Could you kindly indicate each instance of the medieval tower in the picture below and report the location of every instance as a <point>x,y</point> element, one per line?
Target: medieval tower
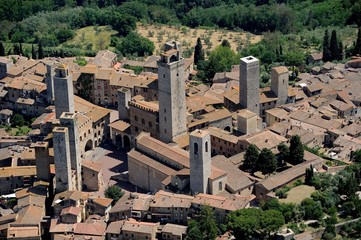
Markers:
<point>42,161</point>
<point>249,84</point>
<point>63,173</point>
<point>49,80</point>
<point>171,93</point>
<point>200,161</point>
<point>70,121</point>
<point>124,96</point>
<point>279,83</point>
<point>63,91</point>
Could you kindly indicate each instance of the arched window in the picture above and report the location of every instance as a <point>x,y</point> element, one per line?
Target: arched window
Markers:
<point>206,146</point>
<point>220,186</point>
<point>195,146</point>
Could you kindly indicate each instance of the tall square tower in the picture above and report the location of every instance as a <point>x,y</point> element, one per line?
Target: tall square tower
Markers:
<point>279,83</point>
<point>249,84</point>
<point>63,91</point>
<point>200,161</point>
<point>70,121</point>
<point>63,174</point>
<point>171,93</point>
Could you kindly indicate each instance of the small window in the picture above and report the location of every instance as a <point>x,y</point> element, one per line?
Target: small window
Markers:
<point>195,148</point>
<point>150,124</point>
<point>136,118</point>
<point>143,121</point>
<point>136,129</point>
<point>220,186</point>
<point>206,146</point>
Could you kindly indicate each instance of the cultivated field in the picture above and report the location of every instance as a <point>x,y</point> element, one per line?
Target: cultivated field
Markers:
<point>92,38</point>
<point>210,37</point>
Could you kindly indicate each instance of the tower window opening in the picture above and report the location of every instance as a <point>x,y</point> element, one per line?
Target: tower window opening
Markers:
<point>206,146</point>
<point>195,146</point>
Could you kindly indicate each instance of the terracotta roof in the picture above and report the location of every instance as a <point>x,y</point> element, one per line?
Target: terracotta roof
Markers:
<point>71,211</point>
<point>224,135</point>
<point>96,228</point>
<point>104,202</point>
<point>17,171</point>
<point>115,227</point>
<point>288,175</point>
<point>96,167</point>
<point>145,143</point>
<point>280,69</point>
<point>174,229</point>
<point>23,83</point>
<point>217,173</point>
<point>232,203</point>
<point>119,125</point>
<point>236,179</point>
<point>164,199</point>
<point>140,227</point>
<point>266,95</point>
<point>150,162</point>
<point>265,139</point>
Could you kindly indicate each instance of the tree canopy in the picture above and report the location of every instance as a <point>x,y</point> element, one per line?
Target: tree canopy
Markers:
<point>133,43</point>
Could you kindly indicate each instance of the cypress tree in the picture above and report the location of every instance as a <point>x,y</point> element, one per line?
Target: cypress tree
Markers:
<point>2,49</point>
<point>33,52</point>
<point>334,52</point>
<point>296,150</point>
<point>40,51</point>
<point>340,51</point>
<point>357,48</point>
<point>198,52</point>
<point>251,158</point>
<point>16,49</point>
<point>21,49</point>
<point>9,51</point>
<point>326,47</point>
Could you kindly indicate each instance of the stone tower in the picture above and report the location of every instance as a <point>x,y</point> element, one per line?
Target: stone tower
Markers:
<point>200,161</point>
<point>249,84</point>
<point>42,161</point>
<point>70,121</point>
<point>63,91</point>
<point>49,80</point>
<point>246,121</point>
<point>124,96</point>
<point>63,173</point>
<point>279,84</point>
<point>171,93</point>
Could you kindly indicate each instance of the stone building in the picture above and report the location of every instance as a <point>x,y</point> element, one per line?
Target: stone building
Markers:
<point>279,84</point>
<point>249,84</point>
<point>171,93</point>
<point>49,79</point>
<point>43,161</point>
<point>200,161</point>
<point>63,173</point>
<point>91,175</point>
<point>5,65</point>
<point>64,93</point>
<point>70,121</point>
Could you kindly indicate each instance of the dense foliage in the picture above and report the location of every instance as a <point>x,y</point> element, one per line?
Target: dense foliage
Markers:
<point>204,226</point>
<point>133,43</point>
<point>114,192</point>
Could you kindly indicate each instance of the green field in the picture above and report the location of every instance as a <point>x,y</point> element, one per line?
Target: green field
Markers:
<point>91,38</point>
<point>297,194</point>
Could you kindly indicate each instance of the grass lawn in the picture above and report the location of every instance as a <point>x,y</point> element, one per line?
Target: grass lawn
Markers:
<point>92,37</point>
<point>19,131</point>
<point>297,194</point>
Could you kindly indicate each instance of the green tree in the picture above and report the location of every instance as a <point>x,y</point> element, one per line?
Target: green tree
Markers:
<point>33,52</point>
<point>198,52</point>
<point>326,47</point>
<point>133,43</point>
<point>21,48</point>
<point>225,43</point>
<point>16,49</point>
<point>2,49</point>
<point>357,48</point>
<point>40,51</point>
<point>356,156</point>
<point>114,192</point>
<point>334,51</point>
<point>312,210</point>
<point>17,120</point>
<point>251,158</point>
<point>267,162</point>
<point>340,51</point>
<point>284,153</point>
<point>309,175</point>
<point>123,23</point>
<point>204,227</point>
<point>296,150</point>
<point>220,59</point>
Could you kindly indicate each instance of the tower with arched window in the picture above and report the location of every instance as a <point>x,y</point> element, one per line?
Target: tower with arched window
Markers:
<point>200,161</point>
<point>171,93</point>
